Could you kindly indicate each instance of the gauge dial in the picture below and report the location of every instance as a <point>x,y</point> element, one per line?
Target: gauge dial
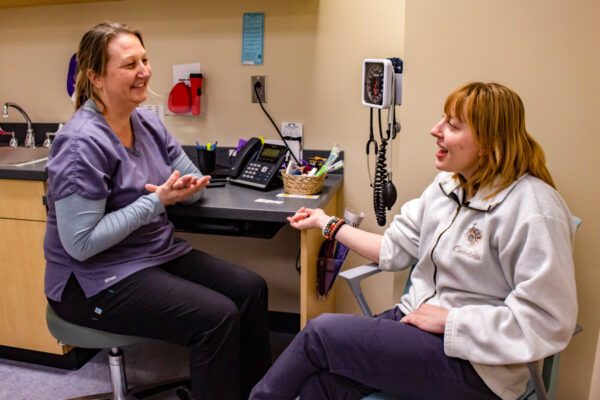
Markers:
<point>374,83</point>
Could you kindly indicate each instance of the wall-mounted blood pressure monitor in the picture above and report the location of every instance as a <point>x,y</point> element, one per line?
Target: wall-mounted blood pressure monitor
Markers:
<point>378,83</point>
<point>382,88</point>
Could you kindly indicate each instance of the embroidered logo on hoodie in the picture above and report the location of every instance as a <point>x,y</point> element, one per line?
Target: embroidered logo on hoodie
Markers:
<point>470,244</point>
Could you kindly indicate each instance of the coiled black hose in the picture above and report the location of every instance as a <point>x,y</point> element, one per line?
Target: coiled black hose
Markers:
<point>379,183</point>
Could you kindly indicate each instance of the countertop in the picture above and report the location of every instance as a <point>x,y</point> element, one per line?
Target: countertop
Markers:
<point>30,172</point>
<point>36,171</point>
<point>257,213</point>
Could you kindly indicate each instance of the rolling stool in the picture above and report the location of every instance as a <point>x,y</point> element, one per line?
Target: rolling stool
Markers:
<point>79,336</point>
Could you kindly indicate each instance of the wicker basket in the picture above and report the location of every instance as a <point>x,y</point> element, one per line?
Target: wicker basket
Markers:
<point>302,184</point>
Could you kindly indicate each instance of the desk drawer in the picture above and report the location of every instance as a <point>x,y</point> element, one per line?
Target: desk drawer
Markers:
<point>22,199</point>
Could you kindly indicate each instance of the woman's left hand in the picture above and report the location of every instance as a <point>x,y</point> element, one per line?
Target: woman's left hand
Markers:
<point>428,318</point>
<point>177,189</point>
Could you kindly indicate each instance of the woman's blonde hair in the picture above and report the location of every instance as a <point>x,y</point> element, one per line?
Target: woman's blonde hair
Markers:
<point>93,56</point>
<point>496,117</point>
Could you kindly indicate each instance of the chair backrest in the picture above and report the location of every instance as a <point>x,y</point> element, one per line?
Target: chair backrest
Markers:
<point>408,281</point>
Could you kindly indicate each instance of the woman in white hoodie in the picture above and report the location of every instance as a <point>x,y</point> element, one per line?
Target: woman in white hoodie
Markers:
<point>493,285</point>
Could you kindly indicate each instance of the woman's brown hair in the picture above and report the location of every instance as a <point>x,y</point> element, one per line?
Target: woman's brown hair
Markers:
<point>496,117</point>
<point>93,56</point>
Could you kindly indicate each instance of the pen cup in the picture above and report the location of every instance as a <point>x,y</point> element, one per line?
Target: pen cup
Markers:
<point>206,161</point>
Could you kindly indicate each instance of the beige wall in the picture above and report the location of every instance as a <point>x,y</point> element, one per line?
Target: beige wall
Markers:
<point>313,54</point>
<point>549,52</point>
<point>347,33</point>
<point>546,50</point>
<point>39,41</point>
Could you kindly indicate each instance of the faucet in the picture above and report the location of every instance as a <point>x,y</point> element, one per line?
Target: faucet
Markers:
<point>29,138</point>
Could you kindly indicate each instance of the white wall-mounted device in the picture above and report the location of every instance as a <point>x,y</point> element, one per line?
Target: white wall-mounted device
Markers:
<point>377,83</point>
<point>382,88</point>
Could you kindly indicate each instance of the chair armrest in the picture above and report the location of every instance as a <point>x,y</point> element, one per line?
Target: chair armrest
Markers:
<point>353,276</point>
<point>360,273</point>
<point>540,379</point>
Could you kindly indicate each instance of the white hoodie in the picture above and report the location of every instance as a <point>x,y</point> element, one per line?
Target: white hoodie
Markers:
<point>503,266</point>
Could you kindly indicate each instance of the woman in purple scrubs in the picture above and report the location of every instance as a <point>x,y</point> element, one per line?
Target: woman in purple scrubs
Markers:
<point>113,262</point>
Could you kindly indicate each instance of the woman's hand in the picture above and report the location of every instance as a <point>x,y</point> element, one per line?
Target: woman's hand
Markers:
<point>428,318</point>
<point>177,189</point>
<point>364,243</point>
<point>306,218</point>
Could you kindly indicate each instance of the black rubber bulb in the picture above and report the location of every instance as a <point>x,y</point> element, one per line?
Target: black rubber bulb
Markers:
<point>389,194</point>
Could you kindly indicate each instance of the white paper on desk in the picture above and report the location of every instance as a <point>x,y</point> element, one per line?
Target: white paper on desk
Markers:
<point>181,72</point>
<point>269,201</point>
<point>298,196</point>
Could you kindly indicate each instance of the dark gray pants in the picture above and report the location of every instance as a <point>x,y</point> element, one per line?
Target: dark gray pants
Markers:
<point>217,309</point>
<point>344,357</point>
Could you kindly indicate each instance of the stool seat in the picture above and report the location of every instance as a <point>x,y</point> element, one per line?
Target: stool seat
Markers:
<point>80,336</point>
<point>87,338</point>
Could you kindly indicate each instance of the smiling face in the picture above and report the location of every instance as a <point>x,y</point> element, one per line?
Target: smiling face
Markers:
<point>457,151</point>
<point>123,86</point>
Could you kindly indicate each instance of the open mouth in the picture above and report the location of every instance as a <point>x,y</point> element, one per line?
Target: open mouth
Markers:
<point>441,151</point>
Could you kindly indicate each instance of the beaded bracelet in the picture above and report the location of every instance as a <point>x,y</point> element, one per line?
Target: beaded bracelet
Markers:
<point>336,229</point>
<point>331,227</point>
<point>326,231</point>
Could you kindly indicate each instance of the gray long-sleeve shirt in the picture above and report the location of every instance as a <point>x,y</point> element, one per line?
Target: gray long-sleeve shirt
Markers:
<point>86,230</point>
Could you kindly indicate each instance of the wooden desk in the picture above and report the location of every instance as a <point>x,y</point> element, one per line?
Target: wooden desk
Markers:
<point>239,211</point>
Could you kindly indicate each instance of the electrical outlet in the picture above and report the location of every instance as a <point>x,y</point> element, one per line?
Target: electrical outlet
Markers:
<point>261,90</point>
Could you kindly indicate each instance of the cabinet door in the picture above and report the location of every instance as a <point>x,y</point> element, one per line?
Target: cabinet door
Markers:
<point>22,200</point>
<point>22,300</point>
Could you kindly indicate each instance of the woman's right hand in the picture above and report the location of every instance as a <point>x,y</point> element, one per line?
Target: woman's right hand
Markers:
<point>364,243</point>
<point>177,189</point>
<point>307,218</point>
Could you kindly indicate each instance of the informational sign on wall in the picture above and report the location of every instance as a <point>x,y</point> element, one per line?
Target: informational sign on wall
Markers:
<point>253,38</point>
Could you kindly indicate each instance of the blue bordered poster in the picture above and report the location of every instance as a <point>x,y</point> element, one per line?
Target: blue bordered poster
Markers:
<point>252,38</point>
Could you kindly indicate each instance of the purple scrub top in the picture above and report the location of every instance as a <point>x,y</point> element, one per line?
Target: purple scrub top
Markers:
<point>88,158</point>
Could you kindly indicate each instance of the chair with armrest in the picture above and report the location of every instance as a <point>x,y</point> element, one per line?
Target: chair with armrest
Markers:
<point>80,336</point>
<point>542,384</point>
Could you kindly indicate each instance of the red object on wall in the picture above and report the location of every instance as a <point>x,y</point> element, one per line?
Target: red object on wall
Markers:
<point>179,99</point>
<point>196,92</point>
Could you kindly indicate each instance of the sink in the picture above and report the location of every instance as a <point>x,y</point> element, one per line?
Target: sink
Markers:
<point>21,156</point>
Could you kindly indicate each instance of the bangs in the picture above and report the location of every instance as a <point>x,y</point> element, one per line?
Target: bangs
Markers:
<point>496,117</point>
<point>455,104</point>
